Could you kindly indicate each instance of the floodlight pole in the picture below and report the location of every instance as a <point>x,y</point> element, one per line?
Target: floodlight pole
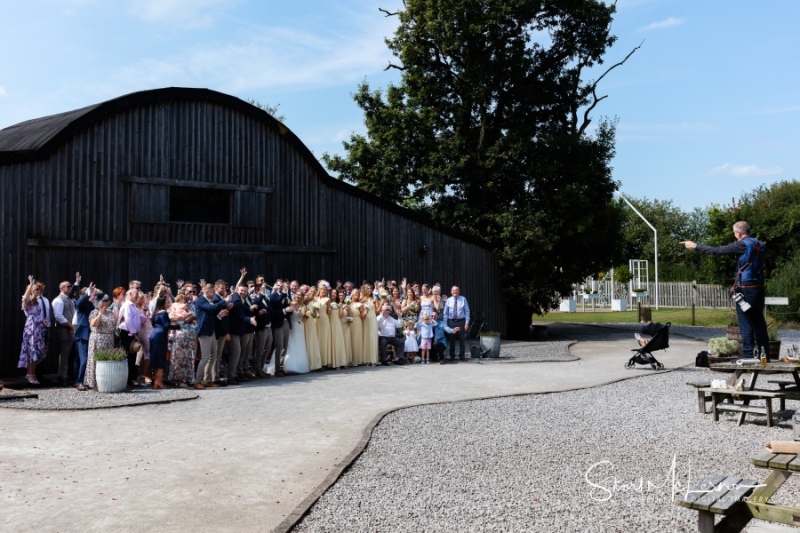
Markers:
<point>655,232</point>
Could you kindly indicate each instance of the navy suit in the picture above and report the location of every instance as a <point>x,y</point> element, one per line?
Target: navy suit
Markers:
<point>241,341</point>
<point>207,315</point>
<point>83,308</point>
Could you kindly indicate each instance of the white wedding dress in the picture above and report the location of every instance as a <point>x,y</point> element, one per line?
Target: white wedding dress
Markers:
<point>296,361</point>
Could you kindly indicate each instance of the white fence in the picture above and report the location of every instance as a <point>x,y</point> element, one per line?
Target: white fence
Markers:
<point>670,294</point>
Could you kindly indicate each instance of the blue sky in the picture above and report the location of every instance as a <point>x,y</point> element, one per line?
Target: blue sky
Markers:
<point>707,108</point>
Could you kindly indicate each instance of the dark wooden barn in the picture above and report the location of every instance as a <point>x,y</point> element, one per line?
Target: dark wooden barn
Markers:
<point>193,183</point>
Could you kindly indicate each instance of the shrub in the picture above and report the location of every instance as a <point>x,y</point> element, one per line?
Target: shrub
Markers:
<point>114,354</point>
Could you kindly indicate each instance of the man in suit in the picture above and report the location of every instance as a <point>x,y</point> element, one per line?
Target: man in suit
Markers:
<point>209,308</point>
<point>279,304</point>
<point>456,315</point>
<point>63,313</point>
<point>84,308</point>
<point>221,329</point>
<point>263,338</point>
<point>240,315</point>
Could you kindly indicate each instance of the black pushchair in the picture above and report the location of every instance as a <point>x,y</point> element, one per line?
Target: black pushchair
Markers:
<point>660,341</point>
<point>473,337</point>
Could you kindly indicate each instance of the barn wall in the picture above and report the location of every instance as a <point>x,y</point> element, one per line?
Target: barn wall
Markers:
<point>99,205</point>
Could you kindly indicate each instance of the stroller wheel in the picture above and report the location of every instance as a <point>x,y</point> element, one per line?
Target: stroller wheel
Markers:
<point>660,366</point>
<point>654,366</point>
<point>629,364</point>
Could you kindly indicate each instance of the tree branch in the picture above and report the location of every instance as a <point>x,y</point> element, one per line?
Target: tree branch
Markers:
<point>392,65</point>
<point>388,14</point>
<point>593,87</point>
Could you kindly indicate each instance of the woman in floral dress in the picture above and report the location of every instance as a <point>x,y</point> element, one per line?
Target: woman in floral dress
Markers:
<point>145,328</point>
<point>181,363</point>
<point>101,337</point>
<point>410,307</point>
<point>33,346</point>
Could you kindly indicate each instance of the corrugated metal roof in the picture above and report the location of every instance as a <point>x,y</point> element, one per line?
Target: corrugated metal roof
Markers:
<point>34,134</point>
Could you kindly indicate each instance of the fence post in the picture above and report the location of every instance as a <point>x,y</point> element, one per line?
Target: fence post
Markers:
<point>694,297</point>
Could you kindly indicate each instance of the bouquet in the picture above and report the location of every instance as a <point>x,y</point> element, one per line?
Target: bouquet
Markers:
<point>316,305</point>
<point>334,307</point>
<point>349,321</point>
<point>348,301</point>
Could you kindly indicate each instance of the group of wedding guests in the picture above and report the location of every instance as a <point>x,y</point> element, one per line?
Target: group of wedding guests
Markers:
<point>211,335</point>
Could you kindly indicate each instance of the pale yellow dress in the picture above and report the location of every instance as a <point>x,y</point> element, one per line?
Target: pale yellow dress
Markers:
<point>356,331</point>
<point>370,338</point>
<point>337,340</point>
<point>324,334</point>
<point>312,344</point>
<point>348,353</point>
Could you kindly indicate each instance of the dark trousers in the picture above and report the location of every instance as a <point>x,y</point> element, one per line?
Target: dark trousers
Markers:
<point>438,349</point>
<point>83,357</point>
<point>126,339</point>
<point>459,336</point>
<point>752,325</point>
<point>64,350</point>
<point>398,343</point>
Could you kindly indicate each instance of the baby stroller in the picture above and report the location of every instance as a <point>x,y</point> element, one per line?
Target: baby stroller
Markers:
<point>473,337</point>
<point>660,341</point>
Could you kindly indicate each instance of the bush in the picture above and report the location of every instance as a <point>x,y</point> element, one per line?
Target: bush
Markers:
<point>722,346</point>
<point>786,282</point>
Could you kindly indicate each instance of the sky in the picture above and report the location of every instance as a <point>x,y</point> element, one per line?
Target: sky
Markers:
<point>707,108</point>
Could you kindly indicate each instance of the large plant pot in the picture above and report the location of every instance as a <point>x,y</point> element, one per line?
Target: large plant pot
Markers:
<point>619,305</point>
<point>493,345</point>
<point>111,376</point>
<point>567,305</point>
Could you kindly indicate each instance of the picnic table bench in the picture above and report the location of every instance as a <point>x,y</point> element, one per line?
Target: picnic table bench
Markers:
<point>702,397</point>
<point>725,400</point>
<point>783,385</point>
<point>741,500</point>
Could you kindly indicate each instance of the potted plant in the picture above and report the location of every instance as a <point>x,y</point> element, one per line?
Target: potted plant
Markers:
<point>641,292</point>
<point>723,350</point>
<point>490,340</point>
<point>111,370</point>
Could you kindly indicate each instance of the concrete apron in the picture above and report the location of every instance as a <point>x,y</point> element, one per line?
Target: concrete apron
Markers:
<point>254,457</point>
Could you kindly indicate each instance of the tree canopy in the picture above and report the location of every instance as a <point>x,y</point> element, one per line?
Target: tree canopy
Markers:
<point>489,132</point>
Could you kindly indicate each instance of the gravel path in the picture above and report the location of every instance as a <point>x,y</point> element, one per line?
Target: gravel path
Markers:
<point>69,398</point>
<point>521,463</point>
<point>527,352</point>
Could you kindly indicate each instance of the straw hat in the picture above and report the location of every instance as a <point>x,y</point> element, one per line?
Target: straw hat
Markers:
<point>135,346</point>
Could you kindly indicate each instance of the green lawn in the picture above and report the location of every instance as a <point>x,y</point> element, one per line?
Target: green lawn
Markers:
<point>678,316</point>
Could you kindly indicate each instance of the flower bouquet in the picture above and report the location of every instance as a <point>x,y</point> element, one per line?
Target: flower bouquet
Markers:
<point>348,301</point>
<point>334,307</point>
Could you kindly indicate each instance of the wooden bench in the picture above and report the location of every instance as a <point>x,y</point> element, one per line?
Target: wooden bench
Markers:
<point>702,397</point>
<point>719,495</point>
<point>718,403</point>
<point>783,386</point>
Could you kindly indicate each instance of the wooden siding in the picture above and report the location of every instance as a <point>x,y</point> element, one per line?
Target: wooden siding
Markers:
<point>74,211</point>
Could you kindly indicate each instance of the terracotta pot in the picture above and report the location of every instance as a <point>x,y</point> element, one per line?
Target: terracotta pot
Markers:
<point>714,359</point>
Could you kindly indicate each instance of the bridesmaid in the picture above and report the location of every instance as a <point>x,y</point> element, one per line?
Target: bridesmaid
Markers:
<point>337,333</point>
<point>359,313</point>
<point>322,304</point>
<point>310,328</point>
<point>346,317</point>
<point>370,334</point>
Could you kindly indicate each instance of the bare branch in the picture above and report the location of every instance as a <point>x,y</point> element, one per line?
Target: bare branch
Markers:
<point>387,12</point>
<point>392,65</point>
<point>593,87</point>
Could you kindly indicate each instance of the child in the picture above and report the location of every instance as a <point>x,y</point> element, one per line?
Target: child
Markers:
<point>426,332</point>
<point>411,347</point>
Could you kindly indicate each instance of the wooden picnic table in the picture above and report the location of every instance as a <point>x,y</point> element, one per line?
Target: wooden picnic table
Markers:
<point>782,466</point>
<point>751,392</point>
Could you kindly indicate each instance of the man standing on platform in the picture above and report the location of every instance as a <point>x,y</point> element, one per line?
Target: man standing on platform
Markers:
<point>456,316</point>
<point>748,282</point>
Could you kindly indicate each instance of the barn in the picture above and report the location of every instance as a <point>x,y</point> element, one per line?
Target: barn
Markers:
<point>194,183</point>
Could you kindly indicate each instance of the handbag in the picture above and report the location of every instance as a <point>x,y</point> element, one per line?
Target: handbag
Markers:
<point>701,361</point>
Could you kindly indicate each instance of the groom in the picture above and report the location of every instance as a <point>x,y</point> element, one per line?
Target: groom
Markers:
<point>278,303</point>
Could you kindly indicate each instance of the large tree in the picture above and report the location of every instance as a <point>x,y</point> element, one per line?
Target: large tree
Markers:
<point>489,132</point>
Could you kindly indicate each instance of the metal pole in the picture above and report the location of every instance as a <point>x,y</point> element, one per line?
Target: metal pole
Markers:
<point>655,231</point>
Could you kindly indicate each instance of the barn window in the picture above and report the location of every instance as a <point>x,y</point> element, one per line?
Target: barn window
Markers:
<point>204,205</point>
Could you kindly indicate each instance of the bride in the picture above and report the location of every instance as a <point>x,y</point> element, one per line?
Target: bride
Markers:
<point>296,360</point>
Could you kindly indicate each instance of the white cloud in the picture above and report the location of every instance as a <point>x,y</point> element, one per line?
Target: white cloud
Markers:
<point>266,57</point>
<point>743,171</point>
<point>3,91</point>
<point>186,13</point>
<point>666,23</point>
